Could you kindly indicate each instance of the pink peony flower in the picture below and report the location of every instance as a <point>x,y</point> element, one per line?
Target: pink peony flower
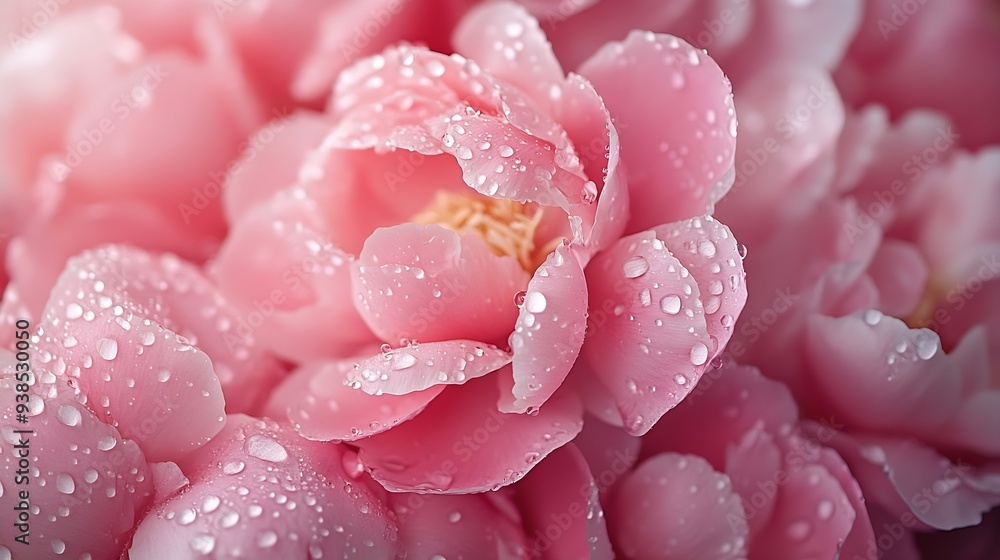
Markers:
<point>475,186</point>
<point>289,279</point>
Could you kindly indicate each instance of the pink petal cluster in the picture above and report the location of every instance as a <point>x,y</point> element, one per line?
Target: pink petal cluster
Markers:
<point>456,279</point>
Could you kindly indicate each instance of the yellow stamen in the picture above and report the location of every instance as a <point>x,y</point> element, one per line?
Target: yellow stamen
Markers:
<point>507,227</point>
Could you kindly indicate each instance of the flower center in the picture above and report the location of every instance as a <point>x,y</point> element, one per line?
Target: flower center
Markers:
<point>507,227</point>
<point>930,300</point>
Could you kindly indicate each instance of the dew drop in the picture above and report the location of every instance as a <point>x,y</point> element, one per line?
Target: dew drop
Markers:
<point>266,449</point>
<point>670,304</point>
<point>635,267</point>
<point>534,302</point>
<point>203,544</point>
<point>107,348</point>
<point>65,484</point>
<point>68,415</point>
<point>699,354</point>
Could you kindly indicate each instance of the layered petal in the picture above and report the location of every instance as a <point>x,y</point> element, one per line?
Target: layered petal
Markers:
<point>469,526</point>
<point>417,367</point>
<point>87,485</point>
<point>679,136</point>
<point>427,283</point>
<point>708,250</point>
<point>111,330</point>
<point>320,403</point>
<point>727,403</point>
<point>461,443</point>
<point>549,331</point>
<point>560,507</point>
<point>647,341</point>
<point>260,489</point>
<point>677,506</point>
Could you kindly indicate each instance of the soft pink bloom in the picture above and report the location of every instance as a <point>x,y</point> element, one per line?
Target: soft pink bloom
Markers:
<point>416,136</point>
<point>729,473</point>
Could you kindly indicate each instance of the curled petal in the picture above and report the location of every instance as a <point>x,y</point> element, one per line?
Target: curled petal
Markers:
<point>679,136</point>
<point>427,283</point>
<point>461,443</point>
<point>709,251</point>
<point>99,481</point>
<point>320,404</point>
<point>419,367</point>
<point>506,40</point>
<point>647,339</point>
<point>254,487</point>
<point>109,329</point>
<point>549,331</point>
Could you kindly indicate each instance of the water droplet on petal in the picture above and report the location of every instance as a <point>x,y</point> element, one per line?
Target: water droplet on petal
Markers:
<point>635,267</point>
<point>699,354</point>
<point>68,415</point>
<point>266,449</point>
<point>670,304</point>
<point>107,348</point>
<point>534,302</point>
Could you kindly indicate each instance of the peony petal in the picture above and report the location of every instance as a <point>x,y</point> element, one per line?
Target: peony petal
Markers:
<point>456,527</point>
<point>791,118</point>
<point>893,378</point>
<point>461,443</point>
<point>811,515</point>
<point>258,486</point>
<point>321,406</point>
<point>82,469</point>
<point>418,367</point>
<point>549,331</point>
<point>50,77</point>
<point>173,105</point>
<point>507,42</point>
<point>610,452</point>
<point>901,275</point>
<point>415,282</point>
<point>907,477</point>
<point>685,112</point>
<point>109,330</point>
<point>709,251</point>
<point>647,340</point>
<point>264,168</point>
<point>756,459</point>
<point>562,494</point>
<point>677,506</point>
<point>727,403</point>
<point>301,284</point>
<point>505,144</point>
<point>42,249</point>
